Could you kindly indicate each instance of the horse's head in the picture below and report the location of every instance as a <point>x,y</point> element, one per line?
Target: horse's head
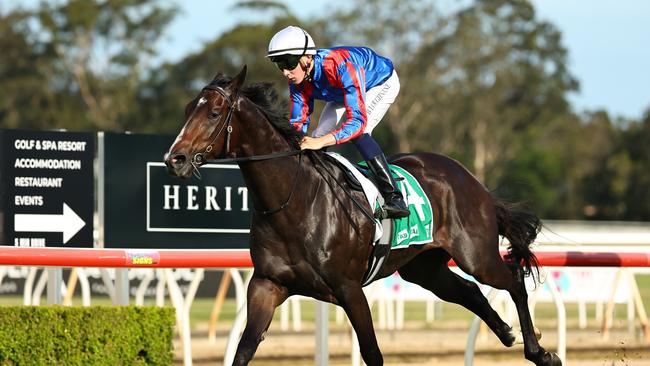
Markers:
<point>207,131</point>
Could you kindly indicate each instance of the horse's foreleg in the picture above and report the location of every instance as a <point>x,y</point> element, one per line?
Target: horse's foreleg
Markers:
<point>263,297</point>
<point>354,302</point>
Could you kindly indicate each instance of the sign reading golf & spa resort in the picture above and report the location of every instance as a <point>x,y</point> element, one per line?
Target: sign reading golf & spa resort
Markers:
<point>46,198</point>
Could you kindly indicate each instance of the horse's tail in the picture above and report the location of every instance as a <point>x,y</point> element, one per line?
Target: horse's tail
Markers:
<point>520,227</point>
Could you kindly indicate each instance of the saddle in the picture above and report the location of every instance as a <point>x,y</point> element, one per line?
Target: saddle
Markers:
<point>390,234</point>
<point>350,179</point>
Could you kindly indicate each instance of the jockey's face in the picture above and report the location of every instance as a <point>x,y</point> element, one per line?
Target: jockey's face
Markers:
<point>298,73</point>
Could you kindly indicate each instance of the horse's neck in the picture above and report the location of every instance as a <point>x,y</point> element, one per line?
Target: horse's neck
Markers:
<point>258,136</point>
<point>274,184</point>
<point>268,181</point>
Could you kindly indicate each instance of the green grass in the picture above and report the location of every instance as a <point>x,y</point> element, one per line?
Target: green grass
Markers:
<point>447,315</point>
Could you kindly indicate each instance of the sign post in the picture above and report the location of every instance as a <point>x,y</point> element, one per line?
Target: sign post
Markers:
<point>47,188</point>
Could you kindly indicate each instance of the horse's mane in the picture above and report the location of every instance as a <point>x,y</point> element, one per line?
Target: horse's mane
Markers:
<point>264,96</point>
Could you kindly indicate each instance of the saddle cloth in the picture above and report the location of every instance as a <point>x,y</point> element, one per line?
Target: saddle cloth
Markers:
<point>417,228</point>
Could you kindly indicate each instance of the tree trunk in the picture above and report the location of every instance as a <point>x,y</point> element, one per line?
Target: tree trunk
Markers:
<point>480,149</point>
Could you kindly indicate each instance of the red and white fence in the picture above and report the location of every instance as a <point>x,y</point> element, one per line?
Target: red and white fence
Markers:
<point>153,258</point>
<point>147,258</point>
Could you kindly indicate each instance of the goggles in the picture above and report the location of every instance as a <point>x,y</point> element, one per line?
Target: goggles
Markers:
<point>286,62</point>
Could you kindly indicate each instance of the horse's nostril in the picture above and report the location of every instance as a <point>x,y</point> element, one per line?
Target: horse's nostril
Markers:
<point>177,160</point>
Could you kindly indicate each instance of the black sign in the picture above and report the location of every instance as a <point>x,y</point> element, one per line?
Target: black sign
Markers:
<point>145,207</point>
<point>47,182</point>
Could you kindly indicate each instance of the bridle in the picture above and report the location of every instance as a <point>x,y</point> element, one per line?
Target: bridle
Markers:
<point>200,158</point>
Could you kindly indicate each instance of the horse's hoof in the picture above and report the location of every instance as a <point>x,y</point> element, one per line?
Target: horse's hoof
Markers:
<point>538,333</point>
<point>555,360</point>
<point>551,359</point>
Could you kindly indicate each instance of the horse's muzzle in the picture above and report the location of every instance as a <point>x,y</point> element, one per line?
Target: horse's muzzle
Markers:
<point>178,165</point>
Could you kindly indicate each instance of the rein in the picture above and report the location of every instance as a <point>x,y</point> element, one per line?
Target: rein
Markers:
<point>360,206</point>
<point>245,159</point>
<point>199,158</point>
<point>253,158</point>
<point>293,188</point>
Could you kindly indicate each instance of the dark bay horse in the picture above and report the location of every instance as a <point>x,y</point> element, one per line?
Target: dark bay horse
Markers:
<point>308,238</point>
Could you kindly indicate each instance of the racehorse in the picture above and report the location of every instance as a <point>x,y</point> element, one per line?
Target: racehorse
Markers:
<point>308,237</point>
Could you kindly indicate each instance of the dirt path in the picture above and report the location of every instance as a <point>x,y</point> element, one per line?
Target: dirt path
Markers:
<point>443,347</point>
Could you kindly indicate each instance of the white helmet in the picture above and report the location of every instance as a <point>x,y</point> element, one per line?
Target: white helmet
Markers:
<point>291,41</point>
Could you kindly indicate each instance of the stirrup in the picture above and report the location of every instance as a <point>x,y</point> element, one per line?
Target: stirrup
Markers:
<point>380,214</point>
<point>397,214</point>
<point>383,214</point>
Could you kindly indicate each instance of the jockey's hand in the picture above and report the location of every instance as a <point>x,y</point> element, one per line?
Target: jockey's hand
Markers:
<point>317,143</point>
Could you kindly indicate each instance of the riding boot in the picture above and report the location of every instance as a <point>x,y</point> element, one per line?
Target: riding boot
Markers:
<point>394,204</point>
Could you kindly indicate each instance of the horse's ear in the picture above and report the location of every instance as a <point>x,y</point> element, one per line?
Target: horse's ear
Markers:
<point>238,81</point>
<point>219,75</point>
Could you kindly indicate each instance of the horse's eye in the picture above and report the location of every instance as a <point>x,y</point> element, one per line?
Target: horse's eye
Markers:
<point>214,114</point>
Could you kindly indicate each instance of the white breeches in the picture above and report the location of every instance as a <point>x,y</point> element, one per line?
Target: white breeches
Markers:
<point>378,100</point>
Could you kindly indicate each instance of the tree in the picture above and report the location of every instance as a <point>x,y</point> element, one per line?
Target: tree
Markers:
<point>563,180</point>
<point>494,72</point>
<point>26,63</point>
<point>485,82</point>
<point>398,30</point>
<point>637,195</point>
<point>76,64</point>
<point>163,96</point>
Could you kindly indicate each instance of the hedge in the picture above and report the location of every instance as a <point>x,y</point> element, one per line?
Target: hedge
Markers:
<point>98,335</point>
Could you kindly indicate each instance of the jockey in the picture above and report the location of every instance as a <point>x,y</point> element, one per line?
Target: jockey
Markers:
<point>355,82</point>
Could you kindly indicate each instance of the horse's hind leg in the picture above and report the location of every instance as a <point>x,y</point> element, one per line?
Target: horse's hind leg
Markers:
<point>532,350</point>
<point>517,289</point>
<point>488,267</point>
<point>355,304</point>
<point>262,299</point>
<point>430,271</point>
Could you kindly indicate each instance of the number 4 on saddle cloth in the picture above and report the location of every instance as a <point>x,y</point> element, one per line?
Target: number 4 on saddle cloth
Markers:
<point>415,229</point>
